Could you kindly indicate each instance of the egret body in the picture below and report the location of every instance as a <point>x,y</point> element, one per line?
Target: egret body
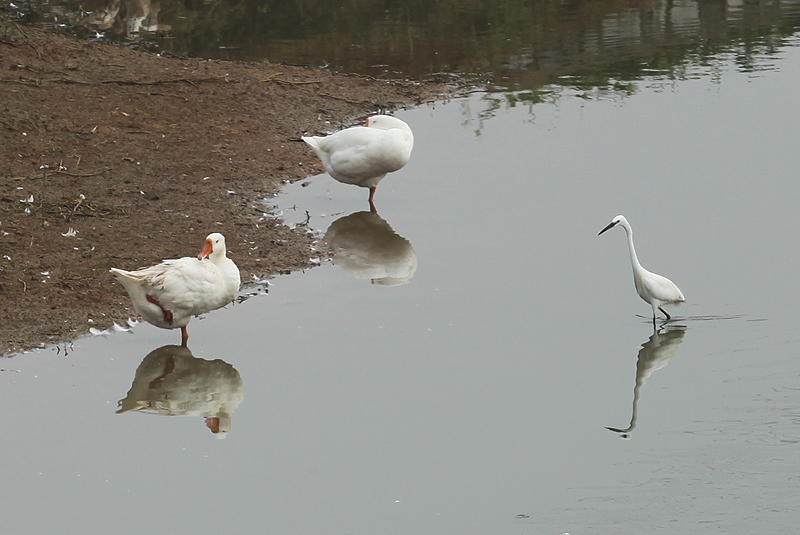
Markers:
<point>654,289</point>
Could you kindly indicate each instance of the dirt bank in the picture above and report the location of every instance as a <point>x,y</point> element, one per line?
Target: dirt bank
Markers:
<point>142,156</point>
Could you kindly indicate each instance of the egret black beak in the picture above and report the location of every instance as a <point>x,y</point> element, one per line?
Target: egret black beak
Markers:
<point>610,225</point>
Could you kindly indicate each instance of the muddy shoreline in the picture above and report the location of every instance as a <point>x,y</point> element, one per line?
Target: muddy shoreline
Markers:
<point>117,158</point>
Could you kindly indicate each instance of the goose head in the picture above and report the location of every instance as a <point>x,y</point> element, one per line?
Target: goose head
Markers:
<point>215,246</point>
<point>386,122</point>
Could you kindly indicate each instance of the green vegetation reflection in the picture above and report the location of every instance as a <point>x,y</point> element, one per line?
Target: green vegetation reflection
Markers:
<point>509,45</point>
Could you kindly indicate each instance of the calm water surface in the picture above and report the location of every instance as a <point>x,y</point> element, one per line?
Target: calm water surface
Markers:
<point>475,397</point>
<point>515,44</point>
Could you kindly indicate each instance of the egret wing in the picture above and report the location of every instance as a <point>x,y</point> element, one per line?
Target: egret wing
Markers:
<point>663,289</point>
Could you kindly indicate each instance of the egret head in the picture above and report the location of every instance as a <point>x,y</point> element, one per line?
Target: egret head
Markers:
<point>614,222</point>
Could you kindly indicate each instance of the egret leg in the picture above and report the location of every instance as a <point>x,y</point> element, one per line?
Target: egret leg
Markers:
<point>184,336</point>
<point>665,313</point>
<point>372,193</point>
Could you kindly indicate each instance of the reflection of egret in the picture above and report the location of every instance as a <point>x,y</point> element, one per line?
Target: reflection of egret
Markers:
<point>363,155</point>
<point>170,293</point>
<point>366,245</point>
<point>170,381</point>
<point>654,355</point>
<point>654,289</point>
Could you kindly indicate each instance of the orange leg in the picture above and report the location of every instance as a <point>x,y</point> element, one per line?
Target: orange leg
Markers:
<point>213,424</point>
<point>167,313</point>
<point>169,367</point>
<point>184,336</point>
<point>371,198</point>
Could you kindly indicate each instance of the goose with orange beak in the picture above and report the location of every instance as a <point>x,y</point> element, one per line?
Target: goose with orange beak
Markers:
<point>363,155</point>
<point>168,294</point>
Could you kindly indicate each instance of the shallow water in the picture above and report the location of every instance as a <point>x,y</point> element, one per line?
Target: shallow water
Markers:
<point>513,44</point>
<point>475,397</point>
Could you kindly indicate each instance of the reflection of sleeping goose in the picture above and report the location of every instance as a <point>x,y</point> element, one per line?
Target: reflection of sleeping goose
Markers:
<point>365,244</point>
<point>172,382</point>
<point>654,355</point>
<point>363,155</point>
<point>170,293</point>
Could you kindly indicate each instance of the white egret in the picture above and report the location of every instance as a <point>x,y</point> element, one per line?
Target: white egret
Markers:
<point>170,293</point>
<point>654,289</point>
<point>363,155</point>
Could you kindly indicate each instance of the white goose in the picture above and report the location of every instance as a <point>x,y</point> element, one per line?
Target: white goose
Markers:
<point>363,155</point>
<point>170,293</point>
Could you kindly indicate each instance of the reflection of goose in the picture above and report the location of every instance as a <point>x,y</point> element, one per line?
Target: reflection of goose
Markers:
<point>366,245</point>
<point>362,155</point>
<point>142,16</point>
<point>172,382</point>
<point>138,15</point>
<point>102,17</point>
<point>654,355</point>
<point>654,289</point>
<point>170,293</point>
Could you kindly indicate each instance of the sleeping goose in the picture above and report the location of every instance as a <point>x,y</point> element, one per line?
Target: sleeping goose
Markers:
<point>362,155</point>
<point>170,293</point>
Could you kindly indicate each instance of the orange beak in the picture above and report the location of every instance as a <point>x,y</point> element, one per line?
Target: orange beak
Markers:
<point>367,123</point>
<point>213,424</point>
<point>207,250</point>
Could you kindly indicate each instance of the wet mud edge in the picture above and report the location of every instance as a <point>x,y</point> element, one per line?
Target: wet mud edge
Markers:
<point>142,156</point>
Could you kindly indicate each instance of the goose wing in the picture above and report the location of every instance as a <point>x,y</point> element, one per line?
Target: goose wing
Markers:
<point>186,283</point>
<point>362,153</point>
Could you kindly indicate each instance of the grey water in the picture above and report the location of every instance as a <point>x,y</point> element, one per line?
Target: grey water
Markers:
<point>513,44</point>
<point>456,366</point>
